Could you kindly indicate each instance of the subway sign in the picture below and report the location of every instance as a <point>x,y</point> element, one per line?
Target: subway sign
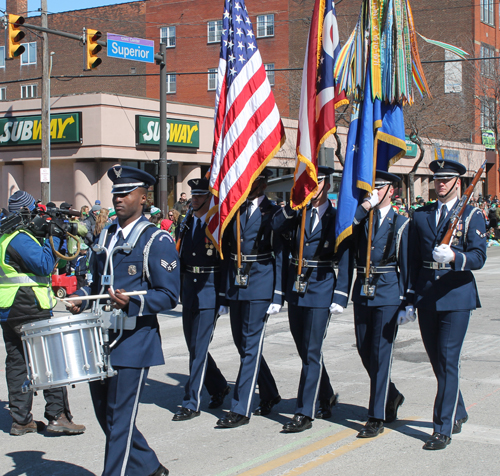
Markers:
<point>179,133</point>
<point>27,130</point>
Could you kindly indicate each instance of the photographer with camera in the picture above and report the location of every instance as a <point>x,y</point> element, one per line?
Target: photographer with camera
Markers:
<point>26,295</point>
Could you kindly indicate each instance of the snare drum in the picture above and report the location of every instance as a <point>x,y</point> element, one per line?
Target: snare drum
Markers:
<point>63,351</point>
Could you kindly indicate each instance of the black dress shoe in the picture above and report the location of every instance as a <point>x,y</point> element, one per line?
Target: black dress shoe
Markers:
<point>325,407</point>
<point>185,414</point>
<point>232,420</point>
<point>372,428</point>
<point>457,427</point>
<point>161,471</point>
<point>437,442</point>
<point>218,398</point>
<point>391,408</point>
<point>265,406</point>
<point>297,424</point>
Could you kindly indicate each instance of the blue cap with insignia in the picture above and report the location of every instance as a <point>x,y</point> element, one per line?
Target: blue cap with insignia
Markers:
<point>126,179</point>
<point>446,168</point>
<point>199,186</point>
<point>264,174</point>
<point>383,178</point>
<point>324,172</point>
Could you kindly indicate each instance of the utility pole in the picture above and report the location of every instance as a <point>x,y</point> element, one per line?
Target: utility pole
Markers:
<point>45,104</point>
<point>163,169</point>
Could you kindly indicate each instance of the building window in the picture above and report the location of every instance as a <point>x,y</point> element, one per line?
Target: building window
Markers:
<point>487,66</point>
<point>452,73</point>
<point>29,91</point>
<point>265,25</point>
<point>2,56</point>
<point>171,84</point>
<point>29,55</point>
<point>3,94</point>
<point>167,36</point>
<point>487,113</point>
<point>487,12</point>
<point>270,72</point>
<point>214,31</point>
<point>212,79</point>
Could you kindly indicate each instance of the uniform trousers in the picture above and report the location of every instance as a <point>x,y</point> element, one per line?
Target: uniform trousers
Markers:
<point>199,326</point>
<point>248,322</point>
<point>20,404</point>
<point>443,334</point>
<point>376,329</point>
<point>309,327</point>
<point>116,401</point>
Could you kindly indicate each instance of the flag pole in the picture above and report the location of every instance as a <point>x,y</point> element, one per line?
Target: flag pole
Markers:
<point>367,289</point>
<point>238,238</point>
<point>301,243</point>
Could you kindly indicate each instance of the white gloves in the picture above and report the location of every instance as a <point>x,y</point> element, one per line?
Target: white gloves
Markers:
<point>373,199</point>
<point>273,309</point>
<point>223,310</point>
<point>443,254</point>
<point>336,309</point>
<point>408,315</point>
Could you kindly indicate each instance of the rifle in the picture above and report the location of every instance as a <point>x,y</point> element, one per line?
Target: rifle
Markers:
<point>183,227</point>
<point>459,210</point>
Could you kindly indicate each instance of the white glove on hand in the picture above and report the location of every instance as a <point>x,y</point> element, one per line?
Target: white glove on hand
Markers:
<point>408,315</point>
<point>336,309</point>
<point>273,309</point>
<point>373,199</point>
<point>443,254</point>
<point>223,310</point>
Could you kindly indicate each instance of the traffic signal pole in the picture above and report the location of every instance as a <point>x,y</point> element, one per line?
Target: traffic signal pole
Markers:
<point>45,105</point>
<point>163,168</point>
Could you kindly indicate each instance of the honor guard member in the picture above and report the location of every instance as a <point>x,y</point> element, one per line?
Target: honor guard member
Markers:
<point>201,285</point>
<point>254,293</point>
<point>152,265</point>
<point>443,289</point>
<point>376,306</point>
<point>26,296</point>
<point>313,297</point>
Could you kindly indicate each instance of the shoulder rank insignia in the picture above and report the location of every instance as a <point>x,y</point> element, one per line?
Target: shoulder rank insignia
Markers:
<point>481,235</point>
<point>169,266</point>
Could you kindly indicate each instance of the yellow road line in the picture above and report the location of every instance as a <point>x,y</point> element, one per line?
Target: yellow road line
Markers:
<point>340,451</point>
<point>276,463</point>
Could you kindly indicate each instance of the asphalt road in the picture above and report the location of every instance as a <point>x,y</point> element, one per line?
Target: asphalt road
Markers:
<point>197,448</point>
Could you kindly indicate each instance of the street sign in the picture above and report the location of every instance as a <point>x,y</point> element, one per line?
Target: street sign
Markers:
<point>411,148</point>
<point>135,49</point>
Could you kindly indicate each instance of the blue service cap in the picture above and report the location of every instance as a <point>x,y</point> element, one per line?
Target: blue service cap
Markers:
<point>323,172</point>
<point>199,186</point>
<point>126,179</point>
<point>446,168</point>
<point>264,174</point>
<point>383,178</point>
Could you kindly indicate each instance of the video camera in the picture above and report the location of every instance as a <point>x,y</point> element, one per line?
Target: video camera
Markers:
<point>42,223</point>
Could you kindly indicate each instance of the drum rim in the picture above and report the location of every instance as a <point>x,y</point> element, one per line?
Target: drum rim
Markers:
<point>86,316</point>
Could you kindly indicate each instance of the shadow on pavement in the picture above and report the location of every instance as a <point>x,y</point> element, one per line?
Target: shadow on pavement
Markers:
<point>163,394</point>
<point>31,463</point>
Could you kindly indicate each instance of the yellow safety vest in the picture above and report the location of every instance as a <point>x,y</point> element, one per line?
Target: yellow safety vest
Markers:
<point>11,280</point>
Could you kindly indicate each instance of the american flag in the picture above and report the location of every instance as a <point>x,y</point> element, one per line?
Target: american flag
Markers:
<point>318,99</point>
<point>248,128</point>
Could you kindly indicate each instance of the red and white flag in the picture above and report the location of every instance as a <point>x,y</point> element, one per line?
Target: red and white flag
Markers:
<point>318,99</point>
<point>248,128</point>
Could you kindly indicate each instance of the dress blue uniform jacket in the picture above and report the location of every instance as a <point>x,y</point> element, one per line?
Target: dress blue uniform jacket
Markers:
<point>265,277</point>
<point>390,287</point>
<point>323,288</point>
<point>141,347</point>
<point>446,290</point>
<point>203,287</point>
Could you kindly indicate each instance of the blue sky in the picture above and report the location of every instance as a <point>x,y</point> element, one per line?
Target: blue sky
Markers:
<point>55,6</point>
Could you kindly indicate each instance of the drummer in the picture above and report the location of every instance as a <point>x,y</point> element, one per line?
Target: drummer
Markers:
<point>151,266</point>
<point>24,260</point>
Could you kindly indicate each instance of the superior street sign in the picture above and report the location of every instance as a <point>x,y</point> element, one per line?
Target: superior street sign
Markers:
<point>135,49</point>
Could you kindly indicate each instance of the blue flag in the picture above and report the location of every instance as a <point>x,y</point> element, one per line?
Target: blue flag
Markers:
<point>369,119</point>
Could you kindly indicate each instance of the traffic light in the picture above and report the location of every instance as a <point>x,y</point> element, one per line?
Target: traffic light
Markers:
<point>90,59</point>
<point>14,36</point>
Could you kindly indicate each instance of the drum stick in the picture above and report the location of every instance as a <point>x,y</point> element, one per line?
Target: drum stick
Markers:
<point>100,296</point>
